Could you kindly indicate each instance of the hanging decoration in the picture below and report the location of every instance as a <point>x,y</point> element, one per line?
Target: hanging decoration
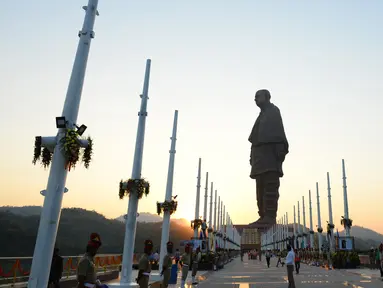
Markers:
<point>46,157</point>
<point>70,148</point>
<point>170,206</point>
<point>37,152</point>
<point>346,222</point>
<point>138,186</point>
<point>329,227</point>
<point>196,223</point>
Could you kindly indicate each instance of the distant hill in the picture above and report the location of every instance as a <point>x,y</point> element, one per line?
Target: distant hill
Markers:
<point>18,232</point>
<point>364,233</point>
<point>36,210</point>
<point>144,217</point>
<point>22,211</point>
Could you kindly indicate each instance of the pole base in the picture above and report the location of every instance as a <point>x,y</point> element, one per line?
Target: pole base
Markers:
<point>124,285</point>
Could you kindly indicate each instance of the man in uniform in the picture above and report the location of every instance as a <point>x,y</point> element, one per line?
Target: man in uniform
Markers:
<point>167,265</point>
<point>185,263</point>
<point>144,266</point>
<point>195,258</point>
<point>204,227</point>
<point>269,148</point>
<point>86,269</point>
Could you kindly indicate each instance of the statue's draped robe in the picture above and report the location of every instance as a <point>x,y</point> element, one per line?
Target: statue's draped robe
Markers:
<point>268,140</point>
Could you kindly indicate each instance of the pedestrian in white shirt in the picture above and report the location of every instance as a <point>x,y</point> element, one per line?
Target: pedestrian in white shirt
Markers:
<point>290,266</point>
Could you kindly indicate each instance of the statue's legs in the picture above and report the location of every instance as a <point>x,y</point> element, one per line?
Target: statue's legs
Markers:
<point>260,192</point>
<point>271,196</point>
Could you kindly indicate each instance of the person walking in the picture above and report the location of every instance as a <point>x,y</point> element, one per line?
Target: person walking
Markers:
<point>185,262</point>
<point>144,266</point>
<point>268,256</point>
<point>279,258</point>
<point>297,261</point>
<point>290,266</point>
<point>167,265</point>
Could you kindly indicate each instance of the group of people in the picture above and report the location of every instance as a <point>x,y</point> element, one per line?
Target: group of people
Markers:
<point>187,259</point>
<point>376,258</point>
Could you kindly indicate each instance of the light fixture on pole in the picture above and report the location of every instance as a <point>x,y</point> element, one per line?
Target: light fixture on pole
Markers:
<point>61,122</point>
<point>81,129</point>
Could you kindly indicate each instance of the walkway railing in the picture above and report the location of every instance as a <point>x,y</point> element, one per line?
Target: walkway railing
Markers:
<point>17,269</point>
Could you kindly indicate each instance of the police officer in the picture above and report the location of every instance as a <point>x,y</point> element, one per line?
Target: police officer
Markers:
<point>144,266</point>
<point>196,258</point>
<point>86,268</point>
<point>167,265</point>
<point>185,263</point>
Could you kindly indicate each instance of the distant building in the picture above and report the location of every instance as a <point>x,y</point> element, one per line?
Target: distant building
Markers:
<point>251,236</point>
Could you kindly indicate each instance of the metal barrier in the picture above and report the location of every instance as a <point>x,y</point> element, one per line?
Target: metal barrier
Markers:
<point>17,269</point>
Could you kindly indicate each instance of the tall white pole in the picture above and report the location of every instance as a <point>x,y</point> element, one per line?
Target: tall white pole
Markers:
<point>205,200</point>
<point>299,227</point>
<point>284,236</point>
<point>224,225</point>
<point>211,207</point>
<point>210,230</point>
<point>197,201</point>
<point>169,192</point>
<point>219,221</point>
<point>319,220</point>
<point>346,216</point>
<point>311,222</point>
<point>280,234</point>
<point>331,221</point>
<point>215,211</point>
<point>304,223</point>
<point>295,230</point>
<point>287,228</point>
<point>131,221</point>
<point>51,211</point>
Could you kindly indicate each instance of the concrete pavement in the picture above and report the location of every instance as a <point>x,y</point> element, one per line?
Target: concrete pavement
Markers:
<point>255,274</point>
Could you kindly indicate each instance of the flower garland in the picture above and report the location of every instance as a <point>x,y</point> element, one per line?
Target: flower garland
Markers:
<point>139,186</point>
<point>170,206</point>
<point>46,157</point>
<point>71,150</point>
<point>88,152</point>
<point>329,227</point>
<point>37,152</point>
<point>196,223</point>
<point>346,222</point>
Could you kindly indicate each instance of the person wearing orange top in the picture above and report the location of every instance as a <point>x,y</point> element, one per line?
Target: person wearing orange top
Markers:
<point>297,261</point>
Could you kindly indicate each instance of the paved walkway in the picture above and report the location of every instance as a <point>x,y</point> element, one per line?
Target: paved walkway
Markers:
<point>255,274</point>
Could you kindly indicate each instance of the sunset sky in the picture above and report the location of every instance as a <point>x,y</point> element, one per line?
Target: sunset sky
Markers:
<point>321,60</point>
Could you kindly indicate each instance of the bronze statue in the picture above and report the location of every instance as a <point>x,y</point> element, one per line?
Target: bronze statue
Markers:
<point>269,147</point>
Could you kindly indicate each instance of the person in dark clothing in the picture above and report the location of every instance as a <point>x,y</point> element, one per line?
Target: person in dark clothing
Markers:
<point>268,256</point>
<point>56,269</point>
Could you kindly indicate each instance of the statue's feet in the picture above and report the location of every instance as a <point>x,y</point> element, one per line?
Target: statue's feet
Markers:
<point>259,221</point>
<point>264,222</point>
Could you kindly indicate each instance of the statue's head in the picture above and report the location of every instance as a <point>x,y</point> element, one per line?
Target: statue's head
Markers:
<point>262,97</point>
